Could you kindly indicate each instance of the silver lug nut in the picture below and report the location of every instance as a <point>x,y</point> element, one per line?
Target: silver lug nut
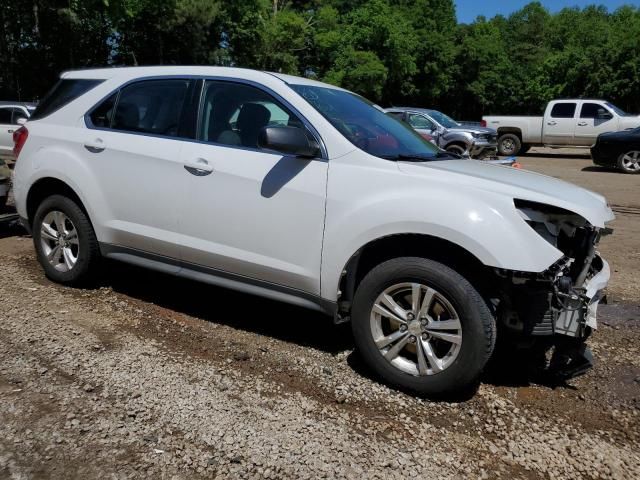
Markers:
<point>412,339</point>
<point>425,336</point>
<point>410,316</point>
<point>424,322</point>
<point>403,328</point>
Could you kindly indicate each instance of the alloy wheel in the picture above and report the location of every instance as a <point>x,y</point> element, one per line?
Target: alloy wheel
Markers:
<point>630,161</point>
<point>416,329</point>
<point>59,240</point>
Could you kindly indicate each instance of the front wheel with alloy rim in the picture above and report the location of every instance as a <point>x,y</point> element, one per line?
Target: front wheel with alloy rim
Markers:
<point>422,327</point>
<point>629,162</point>
<point>64,240</point>
<point>509,144</point>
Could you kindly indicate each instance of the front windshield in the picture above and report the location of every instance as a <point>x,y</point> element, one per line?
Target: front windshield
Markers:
<point>367,126</point>
<point>444,120</point>
<point>617,111</point>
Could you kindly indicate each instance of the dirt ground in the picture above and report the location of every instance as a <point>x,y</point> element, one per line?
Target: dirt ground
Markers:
<point>148,376</point>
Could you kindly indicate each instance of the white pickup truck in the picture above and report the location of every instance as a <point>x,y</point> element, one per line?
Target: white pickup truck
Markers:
<point>574,123</point>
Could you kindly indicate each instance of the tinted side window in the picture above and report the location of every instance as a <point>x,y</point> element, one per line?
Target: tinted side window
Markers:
<point>421,122</point>
<point>152,106</point>
<point>5,115</point>
<point>102,115</point>
<point>64,92</point>
<point>590,110</point>
<point>397,115</point>
<point>234,114</point>
<point>563,110</point>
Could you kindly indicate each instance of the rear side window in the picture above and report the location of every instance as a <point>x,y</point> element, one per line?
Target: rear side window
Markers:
<point>563,110</point>
<point>102,115</point>
<point>64,92</point>
<point>150,106</point>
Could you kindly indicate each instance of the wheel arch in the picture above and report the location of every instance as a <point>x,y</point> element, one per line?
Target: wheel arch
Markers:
<point>408,244</point>
<point>45,187</point>
<point>512,130</point>
<point>458,143</point>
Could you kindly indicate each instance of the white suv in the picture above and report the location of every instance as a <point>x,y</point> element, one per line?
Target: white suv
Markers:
<point>306,193</point>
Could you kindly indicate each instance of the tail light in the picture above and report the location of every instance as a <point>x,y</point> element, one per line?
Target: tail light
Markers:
<point>483,123</point>
<point>19,139</point>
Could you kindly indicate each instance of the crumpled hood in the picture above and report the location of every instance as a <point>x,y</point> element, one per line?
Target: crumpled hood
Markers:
<point>516,183</point>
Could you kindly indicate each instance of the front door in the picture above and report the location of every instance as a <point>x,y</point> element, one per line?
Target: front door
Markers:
<point>250,212</point>
<point>594,119</point>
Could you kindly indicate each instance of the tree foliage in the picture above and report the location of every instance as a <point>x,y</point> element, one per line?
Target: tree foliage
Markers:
<point>410,52</point>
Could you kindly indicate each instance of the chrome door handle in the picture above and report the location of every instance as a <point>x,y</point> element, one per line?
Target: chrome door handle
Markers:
<point>9,131</point>
<point>198,167</point>
<point>96,146</point>
<point>582,124</point>
<point>552,123</point>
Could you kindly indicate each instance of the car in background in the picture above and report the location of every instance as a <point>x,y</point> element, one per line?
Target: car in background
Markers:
<point>5,180</point>
<point>570,123</point>
<point>620,150</point>
<point>12,116</point>
<point>477,142</point>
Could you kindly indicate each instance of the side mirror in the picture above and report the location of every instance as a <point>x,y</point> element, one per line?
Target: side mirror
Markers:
<point>21,121</point>
<point>604,114</point>
<point>289,140</point>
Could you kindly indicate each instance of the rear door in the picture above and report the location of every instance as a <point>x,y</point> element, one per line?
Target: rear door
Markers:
<point>559,124</point>
<point>593,120</point>
<point>133,145</point>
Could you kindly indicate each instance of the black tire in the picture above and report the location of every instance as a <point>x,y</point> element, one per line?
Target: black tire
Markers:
<point>456,148</point>
<point>509,144</point>
<point>88,250</point>
<point>478,326</point>
<point>3,203</point>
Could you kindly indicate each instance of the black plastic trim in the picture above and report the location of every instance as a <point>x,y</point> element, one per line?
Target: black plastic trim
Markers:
<point>219,278</point>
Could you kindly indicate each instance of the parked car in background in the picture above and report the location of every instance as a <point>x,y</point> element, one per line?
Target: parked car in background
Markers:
<point>618,149</point>
<point>5,180</point>
<point>306,193</point>
<point>476,141</point>
<point>12,115</point>
<point>574,123</point>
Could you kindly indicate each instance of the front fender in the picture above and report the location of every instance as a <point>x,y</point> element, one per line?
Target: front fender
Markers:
<point>485,224</point>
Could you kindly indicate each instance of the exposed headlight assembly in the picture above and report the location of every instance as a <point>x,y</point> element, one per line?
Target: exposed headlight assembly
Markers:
<point>550,221</point>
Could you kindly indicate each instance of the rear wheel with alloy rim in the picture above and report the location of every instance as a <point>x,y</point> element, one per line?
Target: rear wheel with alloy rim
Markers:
<point>422,327</point>
<point>629,162</point>
<point>65,242</point>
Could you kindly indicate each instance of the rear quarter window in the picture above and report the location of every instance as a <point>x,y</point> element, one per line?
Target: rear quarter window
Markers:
<point>63,93</point>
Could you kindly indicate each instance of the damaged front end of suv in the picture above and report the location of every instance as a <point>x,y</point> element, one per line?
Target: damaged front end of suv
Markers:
<point>554,312</point>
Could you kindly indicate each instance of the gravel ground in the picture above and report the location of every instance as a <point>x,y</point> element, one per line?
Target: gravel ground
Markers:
<point>151,376</point>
